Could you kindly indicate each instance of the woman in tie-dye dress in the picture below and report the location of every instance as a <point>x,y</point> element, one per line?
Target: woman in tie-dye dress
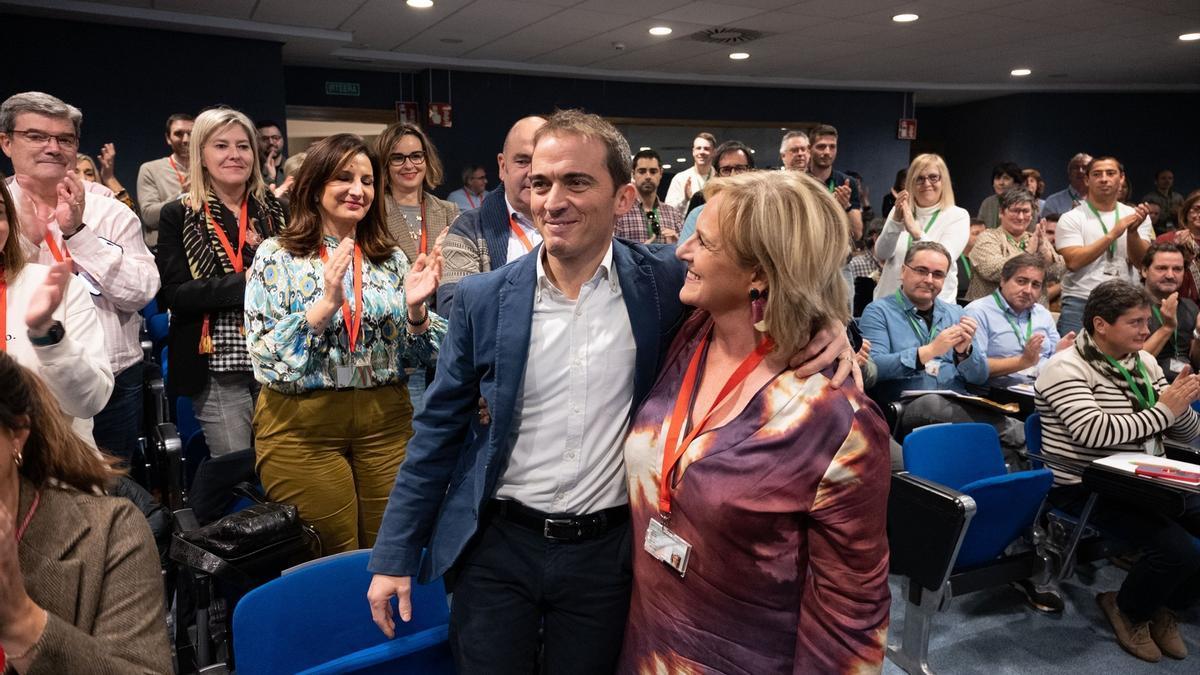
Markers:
<point>782,493</point>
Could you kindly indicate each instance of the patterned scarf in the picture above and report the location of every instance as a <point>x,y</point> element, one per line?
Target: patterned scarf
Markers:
<point>1086,346</point>
<point>205,255</point>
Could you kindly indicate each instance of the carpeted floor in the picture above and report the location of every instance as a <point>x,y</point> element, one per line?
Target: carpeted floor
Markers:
<point>994,632</point>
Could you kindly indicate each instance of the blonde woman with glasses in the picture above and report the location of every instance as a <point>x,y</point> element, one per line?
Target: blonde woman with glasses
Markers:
<point>924,211</point>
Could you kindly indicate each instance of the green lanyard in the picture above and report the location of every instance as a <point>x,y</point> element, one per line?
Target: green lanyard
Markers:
<point>1145,399</point>
<point>914,324</point>
<point>1174,334</point>
<point>927,226</point>
<point>1019,244</point>
<point>1112,248</point>
<point>1015,326</point>
<point>831,184</point>
<point>966,266</point>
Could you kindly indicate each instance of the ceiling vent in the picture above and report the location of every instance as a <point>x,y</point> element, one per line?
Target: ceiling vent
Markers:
<point>726,36</point>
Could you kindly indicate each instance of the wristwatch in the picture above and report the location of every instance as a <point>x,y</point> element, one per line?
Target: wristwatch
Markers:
<point>54,335</point>
<point>77,231</point>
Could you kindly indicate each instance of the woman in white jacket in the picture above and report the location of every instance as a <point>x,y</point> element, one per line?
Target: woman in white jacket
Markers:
<point>924,211</point>
<point>50,326</point>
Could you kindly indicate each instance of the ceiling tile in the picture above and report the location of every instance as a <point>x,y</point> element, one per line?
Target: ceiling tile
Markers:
<point>712,13</point>
<point>311,13</point>
<point>642,9</point>
<point>234,9</point>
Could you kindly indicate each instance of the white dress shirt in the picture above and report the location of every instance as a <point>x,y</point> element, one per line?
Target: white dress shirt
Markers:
<point>111,253</point>
<point>572,413</point>
<point>677,194</point>
<point>76,369</point>
<point>516,248</point>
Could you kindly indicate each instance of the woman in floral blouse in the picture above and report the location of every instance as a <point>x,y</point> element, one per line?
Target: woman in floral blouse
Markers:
<point>332,307</point>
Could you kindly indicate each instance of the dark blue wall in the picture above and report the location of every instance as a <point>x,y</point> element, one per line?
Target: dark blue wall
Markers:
<point>134,78</point>
<point>485,105</point>
<point>1145,131</point>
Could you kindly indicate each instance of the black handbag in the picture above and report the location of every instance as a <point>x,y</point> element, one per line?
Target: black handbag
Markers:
<point>249,547</point>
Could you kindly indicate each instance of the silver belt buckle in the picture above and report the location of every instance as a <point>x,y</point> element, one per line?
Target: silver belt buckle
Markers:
<point>556,521</point>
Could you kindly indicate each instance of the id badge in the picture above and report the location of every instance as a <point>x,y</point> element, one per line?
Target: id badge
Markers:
<point>344,376</point>
<point>1111,269</point>
<point>1177,365</point>
<point>1154,446</point>
<point>933,368</point>
<point>667,546</point>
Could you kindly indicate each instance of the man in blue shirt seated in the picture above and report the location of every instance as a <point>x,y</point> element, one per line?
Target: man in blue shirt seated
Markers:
<point>1015,333</point>
<point>921,342</point>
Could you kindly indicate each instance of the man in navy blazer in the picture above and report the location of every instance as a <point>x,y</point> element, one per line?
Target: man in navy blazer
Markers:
<point>501,229</point>
<point>528,517</point>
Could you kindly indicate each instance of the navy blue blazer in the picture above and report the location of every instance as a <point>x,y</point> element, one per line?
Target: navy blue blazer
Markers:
<point>453,463</point>
<point>489,223</point>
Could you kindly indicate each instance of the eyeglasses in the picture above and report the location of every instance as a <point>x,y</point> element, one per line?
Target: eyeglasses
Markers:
<point>937,275</point>
<point>397,159</point>
<point>931,179</point>
<point>38,138</point>
<point>732,169</point>
<point>272,139</point>
<point>1020,212</point>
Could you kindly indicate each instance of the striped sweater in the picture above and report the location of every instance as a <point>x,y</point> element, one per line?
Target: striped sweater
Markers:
<point>1086,416</point>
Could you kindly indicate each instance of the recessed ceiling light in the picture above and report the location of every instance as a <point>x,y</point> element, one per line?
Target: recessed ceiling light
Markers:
<point>666,166</point>
<point>1190,37</point>
<point>739,56</point>
<point>681,159</point>
<point>905,18</point>
<point>419,4</point>
<point>660,30</point>
<point>644,147</point>
<point>1020,72</point>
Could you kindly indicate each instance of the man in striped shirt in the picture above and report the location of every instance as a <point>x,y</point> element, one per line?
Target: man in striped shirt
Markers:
<point>1107,395</point>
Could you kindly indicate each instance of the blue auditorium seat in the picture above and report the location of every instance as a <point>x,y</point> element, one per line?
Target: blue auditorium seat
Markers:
<point>315,619</point>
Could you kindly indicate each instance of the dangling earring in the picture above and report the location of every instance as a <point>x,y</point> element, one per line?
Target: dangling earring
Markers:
<point>18,457</point>
<point>758,304</point>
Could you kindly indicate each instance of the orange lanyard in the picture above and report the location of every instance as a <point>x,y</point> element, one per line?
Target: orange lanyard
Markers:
<point>520,232</point>
<point>469,200</point>
<point>53,246</point>
<point>673,450</point>
<point>175,168</point>
<point>424,230</point>
<point>243,221</point>
<point>352,318</point>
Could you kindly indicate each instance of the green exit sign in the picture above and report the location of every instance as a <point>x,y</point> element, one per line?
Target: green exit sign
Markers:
<point>341,89</point>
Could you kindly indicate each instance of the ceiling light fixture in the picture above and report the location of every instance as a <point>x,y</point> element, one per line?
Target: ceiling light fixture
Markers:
<point>905,18</point>
<point>419,4</point>
<point>680,159</point>
<point>660,30</point>
<point>739,56</point>
<point>666,166</point>
<point>644,147</point>
<point>1020,72</point>
<point>1190,37</point>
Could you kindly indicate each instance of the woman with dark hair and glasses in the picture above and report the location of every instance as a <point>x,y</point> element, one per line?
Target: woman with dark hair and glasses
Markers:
<point>924,211</point>
<point>333,310</point>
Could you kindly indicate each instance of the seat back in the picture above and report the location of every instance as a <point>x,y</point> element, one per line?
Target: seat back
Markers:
<point>317,616</point>
<point>1033,439</point>
<point>1006,506</point>
<point>926,526</point>
<point>954,454</point>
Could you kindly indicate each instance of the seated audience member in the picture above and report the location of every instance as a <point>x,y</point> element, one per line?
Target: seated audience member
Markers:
<point>101,237</point>
<point>1172,318</point>
<point>207,242</point>
<point>165,179</point>
<point>501,229</point>
<point>1166,198</point>
<point>797,469</point>
<point>1107,395</point>
<point>474,188</point>
<point>963,264</point>
<point>863,262</point>
<point>649,221</point>
<point>1012,238</point>
<point>1015,332</point>
<point>1099,240</point>
<point>924,211</point>
<point>1076,191</point>
<point>919,341</point>
<point>333,311</point>
<point>101,171</point>
<point>1004,176</point>
<point>49,325</point>
<point>1186,237</point>
<point>82,588</point>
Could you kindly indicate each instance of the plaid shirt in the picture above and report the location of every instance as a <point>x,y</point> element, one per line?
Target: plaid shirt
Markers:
<point>864,265</point>
<point>635,224</point>
<point>229,343</point>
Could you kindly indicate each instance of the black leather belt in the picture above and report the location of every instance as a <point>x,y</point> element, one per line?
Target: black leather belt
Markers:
<point>560,527</point>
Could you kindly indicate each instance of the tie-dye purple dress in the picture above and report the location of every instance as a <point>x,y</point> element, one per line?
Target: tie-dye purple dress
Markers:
<point>785,507</point>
